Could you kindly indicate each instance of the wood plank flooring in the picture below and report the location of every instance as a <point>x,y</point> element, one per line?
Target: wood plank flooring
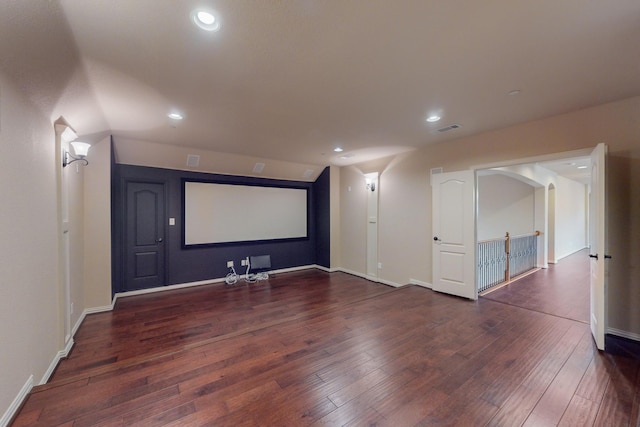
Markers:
<point>561,290</point>
<point>316,348</point>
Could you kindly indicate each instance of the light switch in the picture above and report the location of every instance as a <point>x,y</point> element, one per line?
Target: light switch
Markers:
<point>172,221</point>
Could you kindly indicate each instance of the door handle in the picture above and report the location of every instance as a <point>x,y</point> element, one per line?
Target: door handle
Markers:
<point>436,239</point>
<point>593,256</point>
<point>159,240</point>
<point>607,257</point>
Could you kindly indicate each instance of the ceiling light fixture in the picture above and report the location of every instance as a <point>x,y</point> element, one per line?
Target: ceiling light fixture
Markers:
<point>338,150</point>
<point>175,116</point>
<point>434,118</point>
<point>582,167</point>
<point>206,20</point>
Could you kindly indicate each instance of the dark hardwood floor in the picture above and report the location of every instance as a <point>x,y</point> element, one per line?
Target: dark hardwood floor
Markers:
<point>315,348</point>
<point>561,290</point>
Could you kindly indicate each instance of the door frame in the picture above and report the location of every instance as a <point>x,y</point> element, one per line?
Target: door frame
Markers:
<point>586,152</point>
<point>543,258</point>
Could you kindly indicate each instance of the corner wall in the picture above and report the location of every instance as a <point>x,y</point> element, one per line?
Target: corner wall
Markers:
<point>29,333</point>
<point>97,227</point>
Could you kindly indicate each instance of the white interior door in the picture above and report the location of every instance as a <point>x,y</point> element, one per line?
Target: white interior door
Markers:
<point>597,250</point>
<point>454,233</point>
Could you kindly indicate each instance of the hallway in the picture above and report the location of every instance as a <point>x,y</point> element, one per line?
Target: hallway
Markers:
<point>561,290</point>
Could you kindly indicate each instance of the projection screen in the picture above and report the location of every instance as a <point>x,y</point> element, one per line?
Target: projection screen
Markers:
<point>225,213</point>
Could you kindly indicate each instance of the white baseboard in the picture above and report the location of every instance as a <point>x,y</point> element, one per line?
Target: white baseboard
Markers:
<point>420,283</point>
<point>387,282</point>
<point>198,283</point>
<point>325,269</point>
<point>623,334</point>
<point>17,402</point>
<point>369,278</point>
<point>56,359</point>
<point>561,257</point>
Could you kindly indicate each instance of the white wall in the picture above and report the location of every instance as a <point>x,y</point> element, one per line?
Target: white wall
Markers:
<point>34,299</point>
<point>353,220</point>
<point>571,217</point>
<point>30,335</point>
<point>504,205</point>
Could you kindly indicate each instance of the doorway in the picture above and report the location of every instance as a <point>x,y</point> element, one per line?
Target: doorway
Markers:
<point>562,287</point>
<point>597,219</point>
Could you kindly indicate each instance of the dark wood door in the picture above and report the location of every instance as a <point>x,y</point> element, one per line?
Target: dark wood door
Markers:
<point>144,236</point>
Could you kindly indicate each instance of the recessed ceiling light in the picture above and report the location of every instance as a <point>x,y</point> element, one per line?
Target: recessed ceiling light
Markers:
<point>434,118</point>
<point>206,20</point>
<point>338,150</point>
<point>582,167</point>
<point>175,116</point>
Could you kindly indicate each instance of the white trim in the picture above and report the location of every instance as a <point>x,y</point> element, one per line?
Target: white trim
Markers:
<point>17,402</point>
<point>561,257</point>
<point>325,269</point>
<point>369,278</point>
<point>166,288</point>
<point>56,359</point>
<point>387,282</point>
<point>584,152</point>
<point>199,283</point>
<point>100,309</point>
<point>623,334</point>
<point>421,283</point>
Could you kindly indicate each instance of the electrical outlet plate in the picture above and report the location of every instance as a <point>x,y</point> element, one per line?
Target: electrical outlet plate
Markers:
<point>244,262</point>
<point>229,264</point>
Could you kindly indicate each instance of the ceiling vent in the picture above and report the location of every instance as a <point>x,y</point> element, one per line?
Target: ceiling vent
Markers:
<point>193,160</point>
<point>447,128</point>
<point>258,168</point>
<point>436,171</point>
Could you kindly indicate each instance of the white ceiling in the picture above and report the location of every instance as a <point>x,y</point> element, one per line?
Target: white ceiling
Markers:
<point>292,79</point>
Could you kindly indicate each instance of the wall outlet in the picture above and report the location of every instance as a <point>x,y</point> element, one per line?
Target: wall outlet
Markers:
<point>243,262</point>
<point>71,309</point>
<point>229,264</point>
<point>380,265</point>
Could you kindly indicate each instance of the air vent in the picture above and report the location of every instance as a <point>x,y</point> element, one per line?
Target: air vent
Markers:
<point>435,171</point>
<point>258,168</point>
<point>447,128</point>
<point>307,174</point>
<point>193,160</point>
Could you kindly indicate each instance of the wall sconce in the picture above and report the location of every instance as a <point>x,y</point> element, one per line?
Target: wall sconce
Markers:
<point>371,185</point>
<point>81,149</point>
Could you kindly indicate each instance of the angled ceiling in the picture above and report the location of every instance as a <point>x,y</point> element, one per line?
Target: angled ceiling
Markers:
<point>292,80</point>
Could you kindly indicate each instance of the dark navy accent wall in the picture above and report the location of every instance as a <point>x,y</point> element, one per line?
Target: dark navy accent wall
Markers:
<point>323,219</point>
<point>186,265</point>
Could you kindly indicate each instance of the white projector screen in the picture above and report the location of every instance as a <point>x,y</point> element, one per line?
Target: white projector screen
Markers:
<point>225,213</point>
